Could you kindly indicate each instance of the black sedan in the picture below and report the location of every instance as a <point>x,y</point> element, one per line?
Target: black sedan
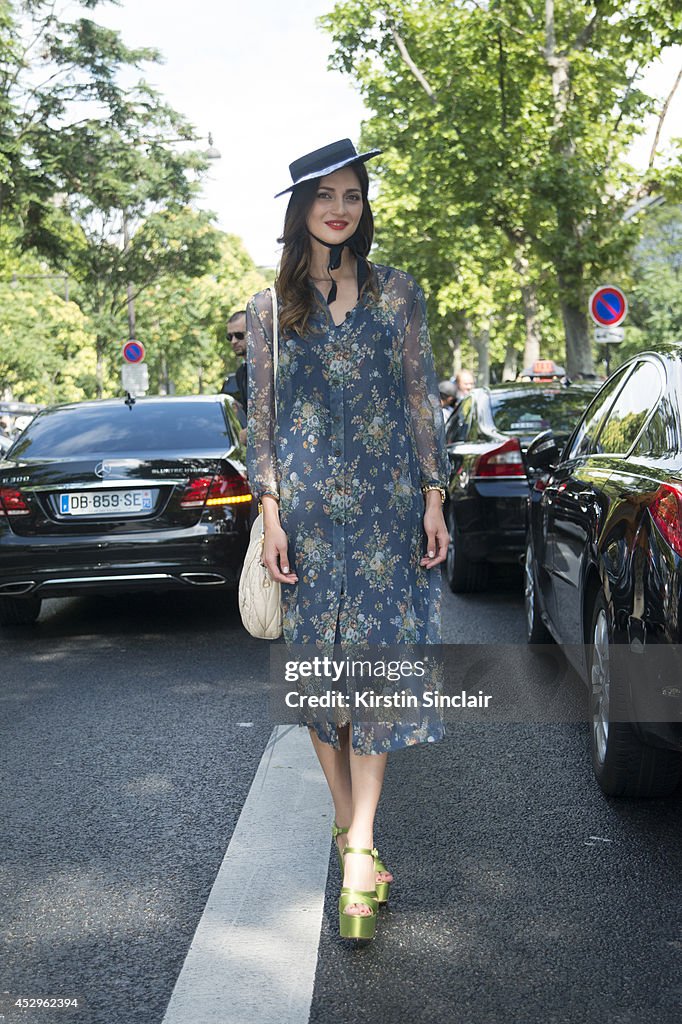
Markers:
<point>487,501</point>
<point>100,496</point>
<point>604,569</point>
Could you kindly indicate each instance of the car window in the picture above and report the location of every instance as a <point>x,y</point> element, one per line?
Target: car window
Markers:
<point>588,430</point>
<point>527,413</point>
<point>173,426</point>
<point>632,406</point>
<point>660,435</point>
<point>458,425</point>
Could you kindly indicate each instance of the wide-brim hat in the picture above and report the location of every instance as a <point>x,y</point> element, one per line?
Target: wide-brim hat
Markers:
<point>323,161</point>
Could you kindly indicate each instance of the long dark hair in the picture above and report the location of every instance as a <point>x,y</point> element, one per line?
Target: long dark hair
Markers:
<point>297,299</point>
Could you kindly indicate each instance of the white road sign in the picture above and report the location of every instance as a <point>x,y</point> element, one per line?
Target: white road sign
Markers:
<point>135,378</point>
<point>609,335</point>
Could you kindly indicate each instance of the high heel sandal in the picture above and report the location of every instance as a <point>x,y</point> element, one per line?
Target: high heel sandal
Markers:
<point>357,926</point>
<point>338,831</point>
<point>382,888</point>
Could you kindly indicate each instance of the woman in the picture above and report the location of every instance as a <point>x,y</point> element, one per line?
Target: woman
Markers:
<point>351,477</point>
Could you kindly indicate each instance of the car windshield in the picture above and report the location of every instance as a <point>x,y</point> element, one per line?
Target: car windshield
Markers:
<point>173,426</point>
<point>525,414</point>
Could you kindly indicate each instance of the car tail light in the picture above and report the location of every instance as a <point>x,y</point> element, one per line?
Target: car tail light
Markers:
<point>215,490</point>
<point>503,461</point>
<point>12,502</point>
<point>228,490</point>
<point>665,512</point>
<point>196,492</point>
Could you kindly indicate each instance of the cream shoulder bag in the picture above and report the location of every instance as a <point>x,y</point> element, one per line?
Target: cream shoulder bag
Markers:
<point>260,597</point>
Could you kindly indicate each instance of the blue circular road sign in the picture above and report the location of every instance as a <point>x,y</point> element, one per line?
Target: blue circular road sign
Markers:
<point>608,306</point>
<point>133,351</point>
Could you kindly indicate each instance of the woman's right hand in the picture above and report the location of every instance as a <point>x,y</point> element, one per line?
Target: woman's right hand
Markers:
<point>275,554</point>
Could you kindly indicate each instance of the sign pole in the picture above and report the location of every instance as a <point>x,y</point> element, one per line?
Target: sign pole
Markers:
<point>608,308</point>
<point>134,372</point>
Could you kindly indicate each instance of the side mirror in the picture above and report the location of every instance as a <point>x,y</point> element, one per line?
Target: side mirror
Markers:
<point>543,452</point>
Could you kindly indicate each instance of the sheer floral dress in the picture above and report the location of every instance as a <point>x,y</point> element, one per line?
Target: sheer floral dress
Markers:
<point>359,431</point>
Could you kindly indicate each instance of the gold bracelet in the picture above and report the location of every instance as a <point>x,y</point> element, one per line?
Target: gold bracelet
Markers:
<point>270,494</point>
<point>434,487</point>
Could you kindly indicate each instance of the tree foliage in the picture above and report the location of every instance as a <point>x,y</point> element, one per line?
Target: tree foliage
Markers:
<point>654,285</point>
<point>47,347</point>
<point>504,127</point>
<point>99,180</point>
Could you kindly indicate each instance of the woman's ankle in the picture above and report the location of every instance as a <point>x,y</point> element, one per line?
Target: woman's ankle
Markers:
<point>360,840</point>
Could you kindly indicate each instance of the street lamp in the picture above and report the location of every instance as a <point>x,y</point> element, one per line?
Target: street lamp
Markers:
<point>212,153</point>
<point>646,204</point>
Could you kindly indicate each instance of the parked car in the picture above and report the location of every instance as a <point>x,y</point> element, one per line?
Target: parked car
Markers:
<point>101,496</point>
<point>603,567</point>
<point>486,436</point>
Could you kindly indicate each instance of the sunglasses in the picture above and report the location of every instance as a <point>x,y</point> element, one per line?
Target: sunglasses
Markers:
<point>239,335</point>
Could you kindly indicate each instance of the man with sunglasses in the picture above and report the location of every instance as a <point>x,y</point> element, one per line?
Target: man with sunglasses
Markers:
<point>236,384</point>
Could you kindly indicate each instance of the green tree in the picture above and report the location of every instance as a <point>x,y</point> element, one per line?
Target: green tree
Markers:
<point>182,321</point>
<point>514,118</point>
<point>90,172</point>
<point>654,285</point>
<point>113,268</point>
<point>47,347</point>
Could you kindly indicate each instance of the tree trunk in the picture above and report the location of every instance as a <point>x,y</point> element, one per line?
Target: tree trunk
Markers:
<point>483,352</point>
<point>481,344</point>
<point>529,299</point>
<point>510,368</point>
<point>573,312</point>
<point>571,278</point>
<point>163,375</point>
<point>99,373</point>
<point>455,345</point>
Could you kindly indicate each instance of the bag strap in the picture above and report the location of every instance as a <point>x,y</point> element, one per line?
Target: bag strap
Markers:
<point>275,343</point>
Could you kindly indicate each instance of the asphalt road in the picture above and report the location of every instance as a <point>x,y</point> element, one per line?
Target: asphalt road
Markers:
<point>131,732</point>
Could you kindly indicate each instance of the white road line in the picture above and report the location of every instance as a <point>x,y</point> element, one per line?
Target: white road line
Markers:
<point>254,953</point>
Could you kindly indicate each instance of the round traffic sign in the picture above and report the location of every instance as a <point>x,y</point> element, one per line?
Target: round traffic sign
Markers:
<point>608,306</point>
<point>133,351</point>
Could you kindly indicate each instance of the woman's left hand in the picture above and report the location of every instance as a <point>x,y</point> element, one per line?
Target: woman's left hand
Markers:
<point>437,537</point>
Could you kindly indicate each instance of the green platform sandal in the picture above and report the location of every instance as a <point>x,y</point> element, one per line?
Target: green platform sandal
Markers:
<point>338,831</point>
<point>357,926</point>
<point>382,888</point>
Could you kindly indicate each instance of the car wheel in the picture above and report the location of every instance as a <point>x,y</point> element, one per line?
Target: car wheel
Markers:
<point>463,575</point>
<point>16,611</point>
<point>622,763</point>
<point>536,630</point>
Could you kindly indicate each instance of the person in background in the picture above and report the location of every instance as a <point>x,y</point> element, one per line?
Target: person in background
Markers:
<point>464,382</point>
<point>448,398</point>
<point>236,335</point>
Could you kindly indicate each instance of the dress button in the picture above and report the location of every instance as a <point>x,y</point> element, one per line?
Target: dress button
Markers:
<point>337,451</point>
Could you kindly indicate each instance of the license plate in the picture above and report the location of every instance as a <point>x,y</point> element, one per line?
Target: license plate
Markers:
<point>107,503</point>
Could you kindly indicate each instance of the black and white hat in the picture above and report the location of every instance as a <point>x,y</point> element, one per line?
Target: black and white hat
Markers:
<point>324,161</point>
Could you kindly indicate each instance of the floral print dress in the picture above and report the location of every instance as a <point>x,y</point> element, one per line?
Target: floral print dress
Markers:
<point>359,430</point>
